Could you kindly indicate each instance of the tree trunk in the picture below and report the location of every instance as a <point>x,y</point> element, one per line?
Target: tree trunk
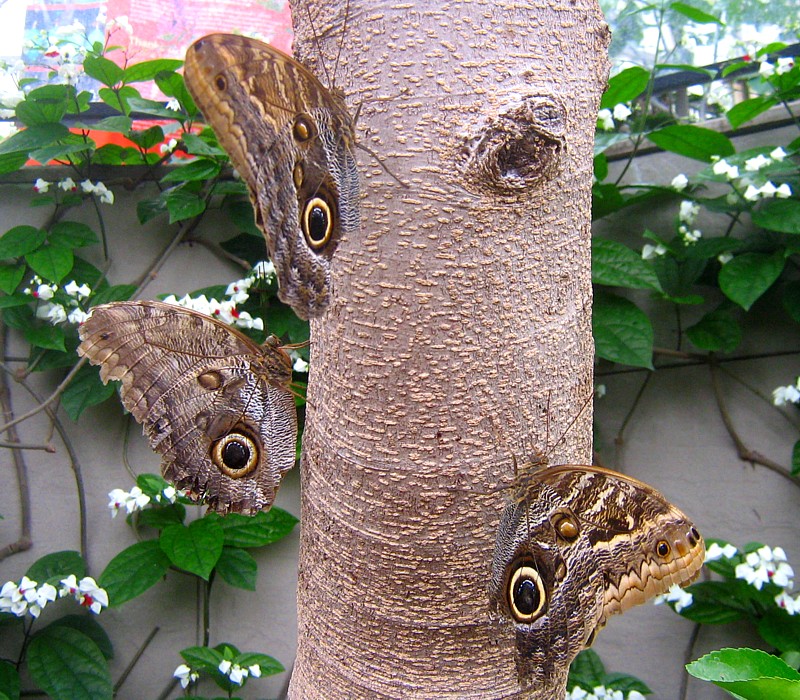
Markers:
<point>459,332</point>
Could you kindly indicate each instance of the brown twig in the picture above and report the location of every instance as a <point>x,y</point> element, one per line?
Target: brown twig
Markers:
<point>744,452</point>
<point>24,541</point>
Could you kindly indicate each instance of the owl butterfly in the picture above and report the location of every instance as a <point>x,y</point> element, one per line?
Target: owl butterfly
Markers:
<point>216,405</point>
<point>291,140</point>
<point>577,545</point>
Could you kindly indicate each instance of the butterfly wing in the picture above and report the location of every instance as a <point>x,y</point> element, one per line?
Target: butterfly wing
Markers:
<point>291,140</point>
<point>215,404</point>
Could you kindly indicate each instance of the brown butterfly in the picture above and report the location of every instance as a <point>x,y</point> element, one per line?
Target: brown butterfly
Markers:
<point>577,545</point>
<point>215,404</point>
<point>292,140</point>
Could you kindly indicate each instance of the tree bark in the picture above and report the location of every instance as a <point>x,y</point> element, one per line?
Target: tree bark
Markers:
<point>459,333</point>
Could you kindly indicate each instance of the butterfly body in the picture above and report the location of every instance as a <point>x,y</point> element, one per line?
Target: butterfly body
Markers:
<point>215,404</point>
<point>292,141</point>
<point>577,545</point>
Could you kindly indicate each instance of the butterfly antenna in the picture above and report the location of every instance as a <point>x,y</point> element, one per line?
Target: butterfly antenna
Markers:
<point>317,45</point>
<point>341,43</point>
<point>572,422</point>
<point>383,165</point>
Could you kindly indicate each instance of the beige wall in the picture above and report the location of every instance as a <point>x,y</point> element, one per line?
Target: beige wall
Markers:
<point>675,441</point>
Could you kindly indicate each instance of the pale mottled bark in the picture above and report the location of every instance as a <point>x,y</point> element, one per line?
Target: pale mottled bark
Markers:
<point>458,316</point>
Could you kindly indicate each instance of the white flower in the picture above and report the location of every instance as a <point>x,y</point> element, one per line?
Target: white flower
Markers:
<point>600,391</point>
<point>13,596</point>
<point>237,674</point>
<point>675,594</point>
<point>265,269</point>
<point>300,365</point>
<point>789,604</point>
<point>185,675</point>
<point>715,552</point>
<point>725,258</point>
<point>786,394</point>
<point>117,499</point>
<point>784,65</point>
<point>136,499</point>
<point>120,22</point>
<point>106,196</point>
<point>652,251</point>
<point>68,185</point>
<point>751,194</point>
<point>237,291</point>
<point>173,104</point>
<point>68,586</point>
<point>766,69</point>
<point>723,167</point>
<point>605,119</point>
<point>255,670</point>
<point>169,146</point>
<point>767,190</point>
<point>91,595</point>
<point>621,112</point>
<point>688,211</point>
<point>41,186</point>
<point>783,191</point>
<point>755,163</point>
<point>766,565</point>
<point>224,666</point>
<point>45,594</point>
<point>45,291</point>
<point>690,236</point>
<point>679,182</point>
<point>170,494</point>
<point>778,154</point>
<point>81,292</point>
<point>55,313</point>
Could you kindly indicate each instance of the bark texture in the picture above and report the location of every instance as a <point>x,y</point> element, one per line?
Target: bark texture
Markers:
<point>459,332</point>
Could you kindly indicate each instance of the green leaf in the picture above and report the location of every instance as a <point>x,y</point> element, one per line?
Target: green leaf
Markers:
<point>71,234</point>
<point>748,673</point>
<point>173,85</point>
<point>781,630</point>
<point>259,530</point>
<point>68,665</point>
<point>14,300</point>
<point>11,162</point>
<point>147,209</point>
<point>707,248</point>
<point>622,332</point>
<point>147,70</point>
<point>197,146</point>
<point>21,240</point>
<point>88,625</point>
<point>118,292</point>
<point>119,98</point>
<point>796,459</point>
<point>133,571</point>
<point>586,670</point>
<point>50,262</point>
<point>779,215</point>
<point>41,112</point>
<point>237,568</point>
<point>241,213</point>
<point>153,108</point>
<point>10,276</point>
<point>103,69</point>
<point>34,137</point>
<point>616,265</point>
<point>195,548</point>
<point>47,337</point>
<point>745,278</point>
<point>696,15</point>
<point>152,484</point>
<point>202,658</point>
<point>9,680</point>
<point>625,86</point>
<point>677,277</point>
<point>86,389</point>
<point>57,565</point>
<point>692,141</point>
<point>119,124</point>
<point>201,169</point>
<point>269,666</point>
<point>147,138</point>
<point>161,517</point>
<point>746,110</point>
<point>182,204</point>
<point>719,602</point>
<point>717,331</point>
<point>60,151</point>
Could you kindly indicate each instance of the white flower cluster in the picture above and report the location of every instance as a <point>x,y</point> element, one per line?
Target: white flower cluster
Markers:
<point>54,312</point>
<point>650,251</point>
<point>29,597</point>
<point>136,499</point>
<point>765,565</point>
<point>185,675</point>
<point>682,598</point>
<point>781,66</point>
<point>607,117</point>
<point>237,673</point>
<point>602,693</point>
<point>787,394</point>
<point>10,93</point>
<point>754,189</point>
<point>237,293</point>
<point>105,195</point>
